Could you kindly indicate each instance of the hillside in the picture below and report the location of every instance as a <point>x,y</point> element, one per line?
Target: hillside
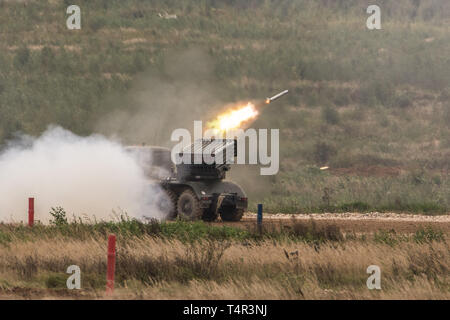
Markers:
<point>374,106</point>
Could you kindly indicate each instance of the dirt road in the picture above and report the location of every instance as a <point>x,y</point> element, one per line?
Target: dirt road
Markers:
<point>352,222</point>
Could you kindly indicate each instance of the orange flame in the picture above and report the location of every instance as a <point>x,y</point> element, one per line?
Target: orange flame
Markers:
<point>233,119</point>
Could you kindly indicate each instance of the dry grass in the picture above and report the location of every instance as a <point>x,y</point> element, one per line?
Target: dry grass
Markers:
<point>150,268</point>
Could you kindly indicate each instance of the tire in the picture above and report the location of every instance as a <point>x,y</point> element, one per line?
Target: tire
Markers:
<point>167,204</point>
<point>210,215</point>
<point>188,206</point>
<point>229,213</point>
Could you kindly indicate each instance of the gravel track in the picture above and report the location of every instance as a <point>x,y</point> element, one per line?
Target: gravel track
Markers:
<point>356,216</point>
<point>353,222</point>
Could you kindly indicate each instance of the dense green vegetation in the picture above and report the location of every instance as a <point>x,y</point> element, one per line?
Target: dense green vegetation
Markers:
<point>190,232</point>
<point>374,106</point>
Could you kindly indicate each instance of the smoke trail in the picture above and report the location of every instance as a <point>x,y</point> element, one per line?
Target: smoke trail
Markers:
<point>89,176</point>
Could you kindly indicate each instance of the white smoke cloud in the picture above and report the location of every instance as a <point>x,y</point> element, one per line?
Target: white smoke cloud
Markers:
<point>87,176</point>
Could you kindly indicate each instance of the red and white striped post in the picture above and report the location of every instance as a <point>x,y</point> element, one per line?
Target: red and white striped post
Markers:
<point>30,212</point>
<point>111,264</point>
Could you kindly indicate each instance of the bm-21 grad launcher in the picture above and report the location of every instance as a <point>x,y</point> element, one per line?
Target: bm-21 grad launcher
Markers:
<point>195,188</point>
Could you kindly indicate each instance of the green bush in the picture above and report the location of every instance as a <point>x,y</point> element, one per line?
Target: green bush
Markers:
<point>428,235</point>
<point>22,57</point>
<point>59,216</point>
<point>403,101</point>
<point>330,115</point>
<point>57,281</point>
<point>97,22</point>
<point>323,152</point>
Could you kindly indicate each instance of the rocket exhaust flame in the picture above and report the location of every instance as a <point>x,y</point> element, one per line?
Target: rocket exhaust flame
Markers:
<point>238,117</point>
<point>234,118</point>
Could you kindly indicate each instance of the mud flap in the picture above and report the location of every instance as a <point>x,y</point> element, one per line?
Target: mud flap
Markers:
<point>220,199</point>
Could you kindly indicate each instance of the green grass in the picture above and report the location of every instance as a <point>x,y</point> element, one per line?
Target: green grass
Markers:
<point>192,232</point>
<point>309,189</point>
<point>125,228</point>
<point>357,98</point>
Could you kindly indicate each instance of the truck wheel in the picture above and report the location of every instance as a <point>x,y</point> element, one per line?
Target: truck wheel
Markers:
<point>189,206</point>
<point>210,215</point>
<point>229,213</point>
<point>167,204</point>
